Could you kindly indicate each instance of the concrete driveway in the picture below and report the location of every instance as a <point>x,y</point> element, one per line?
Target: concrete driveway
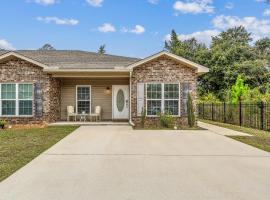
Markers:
<point>117,163</point>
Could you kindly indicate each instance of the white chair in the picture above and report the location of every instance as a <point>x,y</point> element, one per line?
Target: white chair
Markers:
<point>71,113</point>
<point>97,114</point>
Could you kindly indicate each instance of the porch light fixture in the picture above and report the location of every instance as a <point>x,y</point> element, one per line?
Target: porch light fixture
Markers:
<point>108,91</point>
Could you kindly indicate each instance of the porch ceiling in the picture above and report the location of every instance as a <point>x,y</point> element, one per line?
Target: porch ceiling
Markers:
<point>96,74</point>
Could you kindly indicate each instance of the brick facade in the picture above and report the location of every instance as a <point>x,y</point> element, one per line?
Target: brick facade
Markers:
<point>162,70</point>
<point>15,71</point>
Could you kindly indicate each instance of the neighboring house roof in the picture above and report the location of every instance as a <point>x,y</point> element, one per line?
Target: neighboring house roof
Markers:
<point>70,61</point>
<point>200,69</point>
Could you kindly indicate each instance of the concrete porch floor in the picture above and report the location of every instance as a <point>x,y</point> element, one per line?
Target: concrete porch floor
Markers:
<point>79,123</point>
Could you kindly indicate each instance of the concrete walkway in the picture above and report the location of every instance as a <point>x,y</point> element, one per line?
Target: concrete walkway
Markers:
<point>221,130</point>
<point>118,163</point>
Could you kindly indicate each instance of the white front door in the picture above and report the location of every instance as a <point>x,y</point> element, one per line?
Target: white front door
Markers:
<point>120,101</point>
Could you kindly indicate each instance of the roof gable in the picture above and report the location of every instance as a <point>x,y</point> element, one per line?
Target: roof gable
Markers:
<point>199,68</point>
<point>11,54</point>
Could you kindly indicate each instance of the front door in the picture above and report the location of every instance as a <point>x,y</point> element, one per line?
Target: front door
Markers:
<point>120,99</point>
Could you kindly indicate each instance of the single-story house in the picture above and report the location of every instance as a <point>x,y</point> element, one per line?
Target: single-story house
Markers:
<point>38,86</point>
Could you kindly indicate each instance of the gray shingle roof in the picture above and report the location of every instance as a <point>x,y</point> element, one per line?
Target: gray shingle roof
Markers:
<point>71,59</point>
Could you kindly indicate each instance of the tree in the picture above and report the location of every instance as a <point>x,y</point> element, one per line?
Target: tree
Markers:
<point>190,49</point>
<point>238,90</point>
<point>262,48</point>
<point>46,47</point>
<point>227,49</point>
<point>190,111</point>
<point>230,54</point>
<point>101,49</point>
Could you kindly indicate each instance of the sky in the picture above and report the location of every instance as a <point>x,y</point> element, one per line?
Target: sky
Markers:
<point>134,28</point>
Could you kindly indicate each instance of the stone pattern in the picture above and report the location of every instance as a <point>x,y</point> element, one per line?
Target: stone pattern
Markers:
<point>162,69</point>
<point>17,70</point>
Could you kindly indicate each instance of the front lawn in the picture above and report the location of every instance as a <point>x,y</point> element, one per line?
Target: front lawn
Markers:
<point>18,147</point>
<point>259,138</point>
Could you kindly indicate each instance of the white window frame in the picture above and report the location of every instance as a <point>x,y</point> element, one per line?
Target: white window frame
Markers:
<point>163,99</point>
<point>90,98</point>
<point>17,99</point>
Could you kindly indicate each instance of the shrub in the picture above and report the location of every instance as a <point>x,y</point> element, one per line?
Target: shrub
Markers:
<point>190,112</point>
<point>209,98</point>
<point>143,116</point>
<point>166,119</point>
<point>2,124</point>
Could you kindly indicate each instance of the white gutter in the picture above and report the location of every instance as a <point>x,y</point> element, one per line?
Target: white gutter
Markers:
<point>86,70</point>
<point>130,118</point>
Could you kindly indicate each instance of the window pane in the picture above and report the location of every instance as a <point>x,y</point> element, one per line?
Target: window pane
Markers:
<point>83,93</point>
<point>171,107</point>
<point>25,107</point>
<point>25,91</point>
<point>83,107</point>
<point>153,107</point>
<point>8,91</point>
<point>171,91</point>
<point>8,107</point>
<point>154,91</point>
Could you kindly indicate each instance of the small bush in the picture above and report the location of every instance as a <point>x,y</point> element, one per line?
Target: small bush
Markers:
<point>190,112</point>
<point>2,124</point>
<point>166,119</point>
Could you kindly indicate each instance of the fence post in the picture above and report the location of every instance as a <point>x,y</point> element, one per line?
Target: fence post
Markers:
<point>240,112</point>
<point>224,111</point>
<point>212,116</point>
<point>261,106</point>
<point>203,110</point>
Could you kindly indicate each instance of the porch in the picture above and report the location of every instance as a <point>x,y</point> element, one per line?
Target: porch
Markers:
<point>84,94</point>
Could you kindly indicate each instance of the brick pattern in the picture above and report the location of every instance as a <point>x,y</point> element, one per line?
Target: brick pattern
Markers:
<point>162,69</point>
<point>17,70</point>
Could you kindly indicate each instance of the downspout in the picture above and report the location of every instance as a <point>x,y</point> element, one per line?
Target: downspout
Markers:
<point>130,118</point>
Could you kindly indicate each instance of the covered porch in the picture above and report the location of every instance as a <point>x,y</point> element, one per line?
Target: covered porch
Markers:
<point>84,92</point>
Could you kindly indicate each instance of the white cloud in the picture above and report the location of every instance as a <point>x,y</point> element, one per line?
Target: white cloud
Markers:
<point>58,21</point>
<point>106,28</point>
<point>266,12</point>
<point>95,3</point>
<point>194,6</point>
<point>229,5</point>
<point>138,29</point>
<point>258,28</point>
<point>6,45</point>
<point>202,36</point>
<point>153,1</point>
<point>44,2</point>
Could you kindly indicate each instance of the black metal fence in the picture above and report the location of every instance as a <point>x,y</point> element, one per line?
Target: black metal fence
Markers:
<point>253,115</point>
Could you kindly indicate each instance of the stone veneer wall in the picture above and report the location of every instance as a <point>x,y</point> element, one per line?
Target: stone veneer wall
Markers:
<point>162,69</point>
<point>16,70</point>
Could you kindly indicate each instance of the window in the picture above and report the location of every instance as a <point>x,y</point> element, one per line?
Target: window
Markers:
<point>83,99</point>
<point>25,99</point>
<point>162,98</point>
<point>171,98</point>
<point>16,99</point>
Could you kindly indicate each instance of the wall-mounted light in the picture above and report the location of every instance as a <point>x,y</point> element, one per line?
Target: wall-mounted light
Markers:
<point>108,90</point>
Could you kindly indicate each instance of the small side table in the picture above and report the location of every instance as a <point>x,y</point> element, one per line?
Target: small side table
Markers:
<point>82,117</point>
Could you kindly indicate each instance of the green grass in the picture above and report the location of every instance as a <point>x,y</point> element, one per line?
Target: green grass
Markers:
<point>259,139</point>
<point>18,147</point>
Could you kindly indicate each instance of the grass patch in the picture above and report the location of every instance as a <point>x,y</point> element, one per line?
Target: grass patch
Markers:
<point>259,139</point>
<point>163,128</point>
<point>18,147</point>
<point>259,142</point>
